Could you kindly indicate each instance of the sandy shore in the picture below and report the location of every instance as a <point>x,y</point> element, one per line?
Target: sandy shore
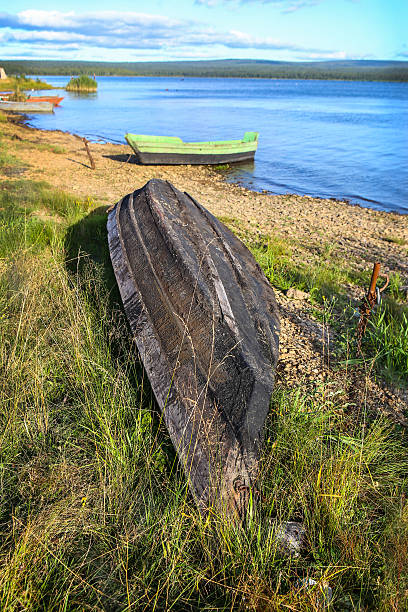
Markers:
<point>312,222</point>
<point>355,236</point>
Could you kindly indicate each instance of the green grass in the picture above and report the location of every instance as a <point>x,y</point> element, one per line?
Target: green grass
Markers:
<point>94,510</point>
<point>396,287</point>
<point>21,227</point>
<point>93,514</point>
<point>24,84</point>
<point>42,146</point>
<point>386,341</point>
<point>395,240</point>
<point>51,148</point>
<point>327,279</point>
<point>7,159</point>
<point>221,167</point>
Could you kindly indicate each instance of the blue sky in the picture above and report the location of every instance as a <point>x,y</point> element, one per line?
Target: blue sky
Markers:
<point>131,30</point>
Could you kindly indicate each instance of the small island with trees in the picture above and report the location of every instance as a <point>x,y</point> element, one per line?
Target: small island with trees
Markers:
<point>82,84</point>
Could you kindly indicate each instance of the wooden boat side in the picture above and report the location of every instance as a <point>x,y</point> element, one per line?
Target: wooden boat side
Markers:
<point>26,107</point>
<point>206,325</point>
<point>174,159</point>
<point>172,150</point>
<point>54,100</point>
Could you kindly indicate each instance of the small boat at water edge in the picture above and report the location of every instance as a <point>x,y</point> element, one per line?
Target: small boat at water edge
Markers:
<point>26,107</point>
<point>206,324</point>
<point>55,100</point>
<point>170,150</point>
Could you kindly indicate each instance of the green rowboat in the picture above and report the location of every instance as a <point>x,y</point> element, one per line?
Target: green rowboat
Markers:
<point>172,150</point>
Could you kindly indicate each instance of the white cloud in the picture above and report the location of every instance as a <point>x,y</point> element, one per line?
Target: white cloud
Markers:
<point>402,51</point>
<point>45,19</point>
<point>286,6</point>
<point>133,31</point>
<point>299,4</point>
<point>101,21</point>
<point>44,36</point>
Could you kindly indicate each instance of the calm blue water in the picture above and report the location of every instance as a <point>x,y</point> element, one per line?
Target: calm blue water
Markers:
<point>323,138</point>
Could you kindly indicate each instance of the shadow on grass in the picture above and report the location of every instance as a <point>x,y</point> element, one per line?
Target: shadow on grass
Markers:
<point>88,260</point>
<point>86,242</point>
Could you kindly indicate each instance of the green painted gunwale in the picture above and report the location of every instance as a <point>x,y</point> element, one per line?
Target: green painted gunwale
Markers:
<point>172,144</point>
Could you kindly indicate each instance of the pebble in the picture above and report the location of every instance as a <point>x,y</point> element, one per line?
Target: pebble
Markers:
<point>326,590</point>
<point>291,538</point>
<point>297,294</point>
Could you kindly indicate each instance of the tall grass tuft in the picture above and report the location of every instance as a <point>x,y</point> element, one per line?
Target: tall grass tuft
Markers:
<point>82,83</point>
<point>387,340</point>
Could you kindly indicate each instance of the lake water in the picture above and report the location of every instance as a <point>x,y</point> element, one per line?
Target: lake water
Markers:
<point>323,138</point>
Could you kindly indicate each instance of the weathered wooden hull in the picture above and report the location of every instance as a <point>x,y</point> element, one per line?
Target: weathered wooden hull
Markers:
<point>206,325</point>
<point>193,159</point>
<point>26,107</point>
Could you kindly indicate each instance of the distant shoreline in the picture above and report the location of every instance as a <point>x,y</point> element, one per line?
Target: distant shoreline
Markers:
<point>216,76</point>
<point>338,70</point>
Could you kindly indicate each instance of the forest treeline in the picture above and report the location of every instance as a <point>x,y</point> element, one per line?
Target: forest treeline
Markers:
<point>356,70</point>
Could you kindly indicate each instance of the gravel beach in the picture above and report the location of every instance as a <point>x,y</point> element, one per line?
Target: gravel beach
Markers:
<point>356,236</point>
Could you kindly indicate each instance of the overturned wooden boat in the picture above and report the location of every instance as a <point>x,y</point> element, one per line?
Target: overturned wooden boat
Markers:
<point>171,150</point>
<point>26,107</point>
<point>206,325</point>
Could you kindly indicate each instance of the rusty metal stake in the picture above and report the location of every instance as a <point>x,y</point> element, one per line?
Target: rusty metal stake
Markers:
<point>85,141</point>
<point>367,304</point>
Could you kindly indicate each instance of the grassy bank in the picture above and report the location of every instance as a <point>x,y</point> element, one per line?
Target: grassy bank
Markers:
<point>94,510</point>
<point>23,84</point>
<point>326,281</point>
